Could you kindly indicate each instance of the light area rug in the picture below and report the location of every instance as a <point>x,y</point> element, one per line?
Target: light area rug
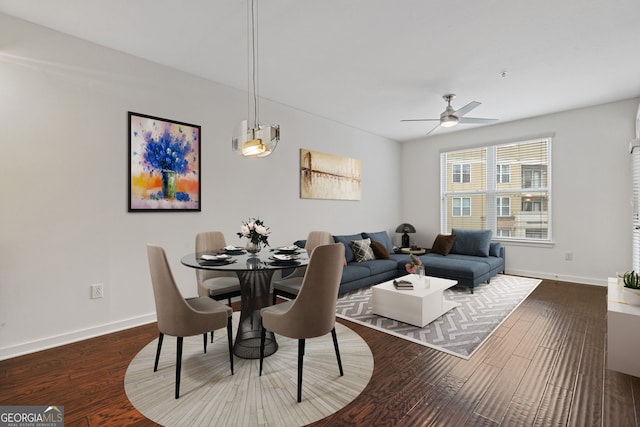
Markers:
<point>210,395</point>
<point>459,332</point>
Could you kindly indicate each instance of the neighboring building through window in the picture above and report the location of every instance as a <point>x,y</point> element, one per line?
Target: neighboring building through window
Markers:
<point>502,204</point>
<point>504,173</point>
<point>461,206</point>
<point>461,173</point>
<point>508,185</point>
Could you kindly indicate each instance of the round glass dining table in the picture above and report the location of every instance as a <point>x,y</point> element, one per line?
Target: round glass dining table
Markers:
<point>254,273</point>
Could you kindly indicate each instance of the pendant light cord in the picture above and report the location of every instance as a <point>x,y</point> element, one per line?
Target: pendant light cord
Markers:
<point>253,48</point>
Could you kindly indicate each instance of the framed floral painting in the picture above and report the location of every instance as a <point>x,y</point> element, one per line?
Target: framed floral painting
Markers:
<point>164,165</point>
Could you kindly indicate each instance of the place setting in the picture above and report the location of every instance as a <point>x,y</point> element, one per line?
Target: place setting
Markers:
<point>233,250</point>
<point>284,259</point>
<point>219,259</point>
<point>287,250</point>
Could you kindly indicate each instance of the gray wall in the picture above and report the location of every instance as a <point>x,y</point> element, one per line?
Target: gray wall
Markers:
<point>65,226</point>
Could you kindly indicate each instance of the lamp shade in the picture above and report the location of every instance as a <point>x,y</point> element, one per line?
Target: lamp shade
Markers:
<point>405,228</point>
<point>256,142</point>
<point>449,121</point>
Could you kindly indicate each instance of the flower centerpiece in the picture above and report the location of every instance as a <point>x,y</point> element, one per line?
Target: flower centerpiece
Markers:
<point>413,265</point>
<point>256,232</point>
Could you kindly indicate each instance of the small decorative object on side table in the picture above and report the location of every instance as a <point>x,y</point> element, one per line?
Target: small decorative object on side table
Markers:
<point>417,251</point>
<point>405,228</point>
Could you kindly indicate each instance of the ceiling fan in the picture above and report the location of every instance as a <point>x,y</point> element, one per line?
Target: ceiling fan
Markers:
<point>451,117</point>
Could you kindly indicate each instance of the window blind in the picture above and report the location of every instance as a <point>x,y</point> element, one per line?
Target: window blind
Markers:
<point>505,188</point>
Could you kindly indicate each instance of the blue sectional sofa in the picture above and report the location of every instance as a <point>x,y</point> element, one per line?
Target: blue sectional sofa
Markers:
<point>472,259</point>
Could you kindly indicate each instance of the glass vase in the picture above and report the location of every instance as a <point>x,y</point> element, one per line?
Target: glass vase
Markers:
<point>253,247</point>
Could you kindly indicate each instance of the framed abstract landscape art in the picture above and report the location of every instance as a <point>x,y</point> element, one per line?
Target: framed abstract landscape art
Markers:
<point>164,165</point>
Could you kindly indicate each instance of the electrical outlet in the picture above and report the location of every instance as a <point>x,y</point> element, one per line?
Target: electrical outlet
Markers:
<point>568,256</point>
<point>97,291</point>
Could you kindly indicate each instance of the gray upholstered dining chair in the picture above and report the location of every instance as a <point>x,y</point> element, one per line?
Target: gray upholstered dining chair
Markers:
<point>218,285</point>
<point>313,313</point>
<point>181,317</point>
<point>289,286</point>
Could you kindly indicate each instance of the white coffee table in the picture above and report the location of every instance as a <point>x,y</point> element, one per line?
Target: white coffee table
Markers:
<point>417,307</point>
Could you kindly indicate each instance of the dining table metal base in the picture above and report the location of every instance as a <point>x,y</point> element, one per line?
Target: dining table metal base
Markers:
<point>254,287</point>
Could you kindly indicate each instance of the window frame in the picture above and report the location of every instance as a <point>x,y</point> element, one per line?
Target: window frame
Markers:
<point>492,186</point>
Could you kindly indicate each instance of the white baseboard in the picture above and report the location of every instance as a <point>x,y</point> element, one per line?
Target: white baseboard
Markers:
<point>74,336</point>
<point>561,277</point>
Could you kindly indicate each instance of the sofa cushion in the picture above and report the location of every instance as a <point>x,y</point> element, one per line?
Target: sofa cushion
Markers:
<point>471,242</point>
<point>346,241</point>
<point>454,266</point>
<point>379,250</point>
<point>362,250</point>
<point>378,266</point>
<point>354,271</point>
<point>494,249</point>
<point>381,237</point>
<point>443,244</point>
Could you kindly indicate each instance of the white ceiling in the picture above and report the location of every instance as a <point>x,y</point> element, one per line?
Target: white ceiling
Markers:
<point>371,63</point>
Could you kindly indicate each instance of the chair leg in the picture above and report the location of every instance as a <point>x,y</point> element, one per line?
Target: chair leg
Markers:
<point>155,367</point>
<point>229,299</point>
<point>335,345</point>
<point>178,366</point>
<point>263,334</point>
<point>204,336</point>
<point>230,339</point>
<point>212,337</point>
<point>273,299</point>
<point>300,359</point>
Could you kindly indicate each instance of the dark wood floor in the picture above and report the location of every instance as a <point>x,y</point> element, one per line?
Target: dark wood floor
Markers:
<point>545,366</point>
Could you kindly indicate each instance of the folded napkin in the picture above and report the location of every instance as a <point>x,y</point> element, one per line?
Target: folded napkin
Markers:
<point>231,248</point>
<point>214,257</point>
<point>284,257</point>
<point>288,248</point>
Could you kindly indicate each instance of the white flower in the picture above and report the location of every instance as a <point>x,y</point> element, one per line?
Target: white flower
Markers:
<point>244,230</point>
<point>260,229</point>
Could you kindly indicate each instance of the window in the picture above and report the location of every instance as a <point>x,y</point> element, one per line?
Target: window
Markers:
<point>461,173</point>
<point>503,174</point>
<point>508,185</point>
<point>501,232</point>
<point>461,206</point>
<point>502,204</point>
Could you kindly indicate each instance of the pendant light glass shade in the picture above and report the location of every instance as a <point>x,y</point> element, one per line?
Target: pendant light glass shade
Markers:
<point>255,142</point>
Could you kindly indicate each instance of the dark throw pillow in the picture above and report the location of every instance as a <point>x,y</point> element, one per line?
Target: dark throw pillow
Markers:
<point>379,250</point>
<point>443,244</point>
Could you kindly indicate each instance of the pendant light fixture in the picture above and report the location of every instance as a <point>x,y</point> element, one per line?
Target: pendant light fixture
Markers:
<point>258,140</point>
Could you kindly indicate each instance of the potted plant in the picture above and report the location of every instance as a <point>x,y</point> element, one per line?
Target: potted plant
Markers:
<point>631,289</point>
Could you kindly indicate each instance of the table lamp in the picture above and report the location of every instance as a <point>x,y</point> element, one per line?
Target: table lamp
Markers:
<point>405,228</point>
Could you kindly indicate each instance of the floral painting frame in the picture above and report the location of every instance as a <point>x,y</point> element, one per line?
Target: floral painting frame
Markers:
<point>164,165</point>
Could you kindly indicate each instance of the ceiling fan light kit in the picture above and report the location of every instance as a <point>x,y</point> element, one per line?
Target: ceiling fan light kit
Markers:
<point>259,140</point>
<point>450,117</point>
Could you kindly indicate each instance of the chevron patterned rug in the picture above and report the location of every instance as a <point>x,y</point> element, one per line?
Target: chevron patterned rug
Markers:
<point>459,332</point>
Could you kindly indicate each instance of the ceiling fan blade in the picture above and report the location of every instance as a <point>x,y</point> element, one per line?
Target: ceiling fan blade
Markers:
<point>420,120</point>
<point>475,120</point>
<point>437,126</point>
<point>464,110</point>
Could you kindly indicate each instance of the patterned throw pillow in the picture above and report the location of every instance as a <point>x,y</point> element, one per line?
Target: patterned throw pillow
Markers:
<point>362,250</point>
